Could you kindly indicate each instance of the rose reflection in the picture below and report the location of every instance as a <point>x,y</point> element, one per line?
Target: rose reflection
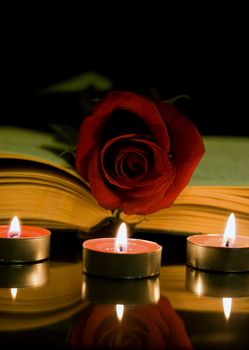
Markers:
<point>150,326</point>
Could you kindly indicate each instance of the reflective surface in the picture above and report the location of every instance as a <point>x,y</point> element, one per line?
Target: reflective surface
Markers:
<point>180,309</point>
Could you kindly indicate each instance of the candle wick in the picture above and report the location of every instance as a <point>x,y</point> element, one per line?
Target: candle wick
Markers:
<point>227,243</point>
<point>13,235</point>
<point>120,249</point>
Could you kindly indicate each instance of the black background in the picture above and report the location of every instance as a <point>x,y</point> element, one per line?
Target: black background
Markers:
<point>209,64</point>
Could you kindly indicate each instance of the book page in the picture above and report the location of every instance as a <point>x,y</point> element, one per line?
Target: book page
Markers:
<point>23,143</point>
<point>225,162</point>
<point>38,185</point>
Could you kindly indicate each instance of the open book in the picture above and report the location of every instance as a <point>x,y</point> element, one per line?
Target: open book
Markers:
<point>41,188</point>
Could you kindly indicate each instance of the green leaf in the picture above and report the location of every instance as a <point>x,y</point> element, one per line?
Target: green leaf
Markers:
<point>65,133</point>
<point>82,82</point>
<point>71,150</point>
<point>176,98</point>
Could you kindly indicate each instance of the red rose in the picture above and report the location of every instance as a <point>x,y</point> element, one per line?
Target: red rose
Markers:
<point>137,154</point>
<point>152,326</point>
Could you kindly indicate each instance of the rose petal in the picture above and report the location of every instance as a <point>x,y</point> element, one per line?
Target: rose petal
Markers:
<point>144,198</point>
<point>105,196</point>
<point>161,166</point>
<point>91,128</point>
<point>151,326</point>
<point>125,147</point>
<point>187,145</point>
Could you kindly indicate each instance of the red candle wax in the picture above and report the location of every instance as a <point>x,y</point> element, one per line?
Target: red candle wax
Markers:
<point>26,232</point>
<point>140,258</point>
<point>215,240</point>
<point>135,246</point>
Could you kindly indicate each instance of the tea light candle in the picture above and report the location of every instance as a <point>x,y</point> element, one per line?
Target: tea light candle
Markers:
<point>120,291</point>
<point>24,275</point>
<point>216,252</point>
<point>121,257</point>
<point>23,244</point>
<point>216,284</point>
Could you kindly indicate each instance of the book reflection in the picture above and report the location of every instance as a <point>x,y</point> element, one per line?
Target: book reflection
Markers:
<point>127,314</point>
<point>55,301</point>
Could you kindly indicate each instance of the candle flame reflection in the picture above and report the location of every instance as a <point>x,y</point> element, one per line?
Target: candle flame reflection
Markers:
<point>14,229</point>
<point>121,241</point>
<point>199,286</point>
<point>13,292</point>
<point>120,311</point>
<point>157,292</point>
<point>230,232</point>
<point>227,307</point>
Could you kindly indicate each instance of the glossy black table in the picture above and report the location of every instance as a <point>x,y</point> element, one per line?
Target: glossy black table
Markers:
<point>54,304</point>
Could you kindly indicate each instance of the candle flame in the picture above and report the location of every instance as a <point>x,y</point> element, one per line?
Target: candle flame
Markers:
<point>13,292</point>
<point>227,307</point>
<point>120,311</point>
<point>15,228</point>
<point>121,241</point>
<point>230,232</point>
